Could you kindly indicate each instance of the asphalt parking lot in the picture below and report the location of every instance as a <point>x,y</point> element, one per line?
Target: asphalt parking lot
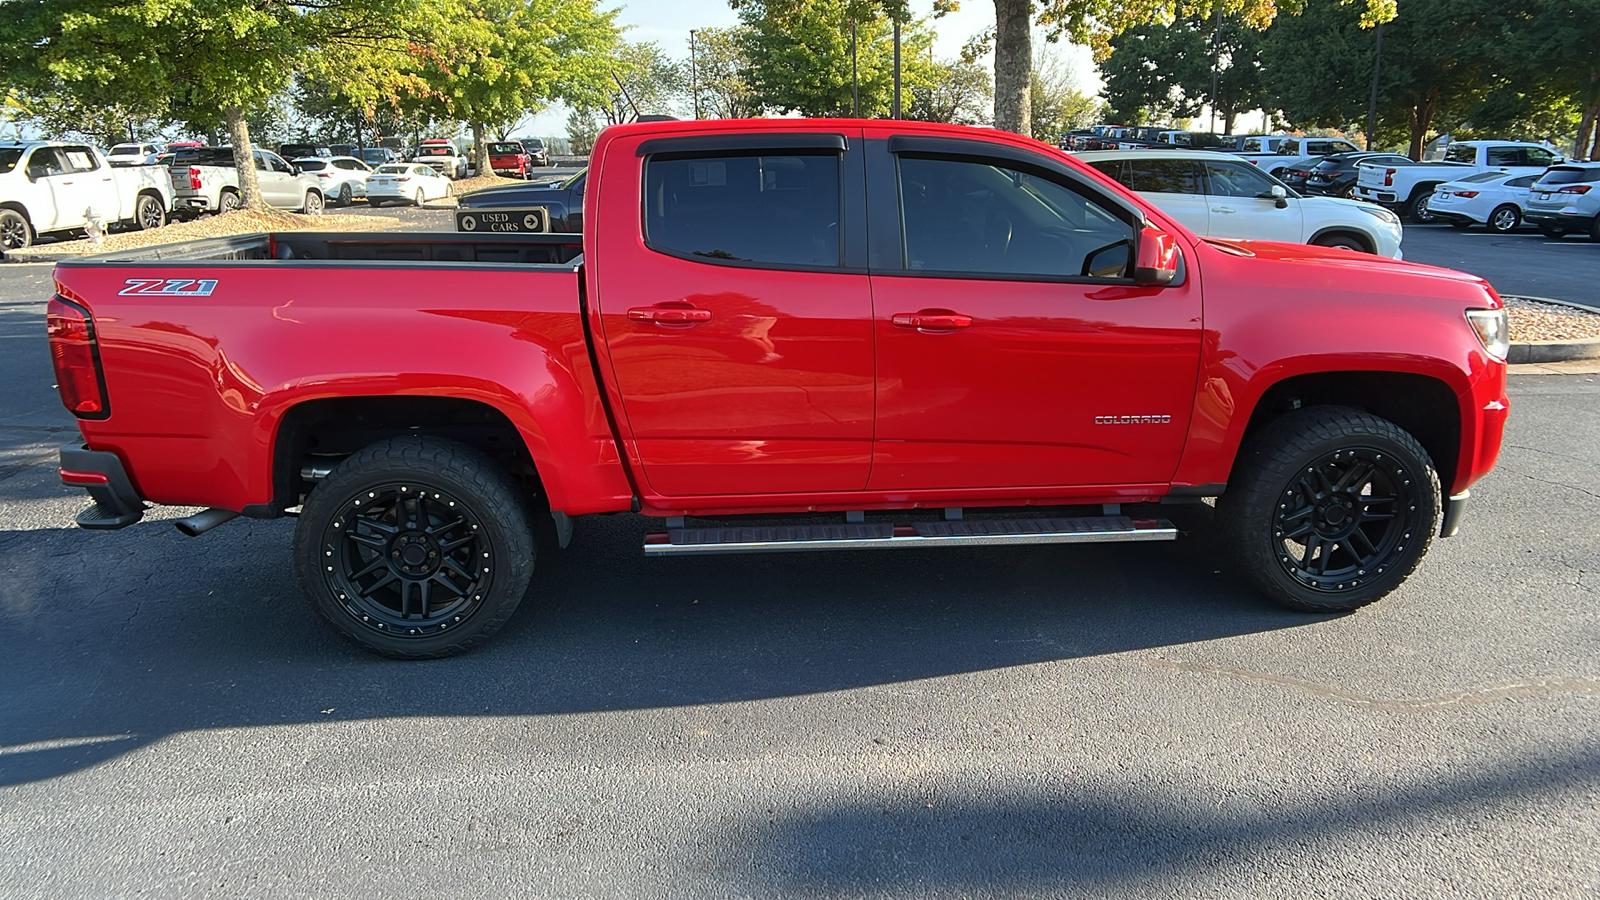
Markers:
<point>1043,722</point>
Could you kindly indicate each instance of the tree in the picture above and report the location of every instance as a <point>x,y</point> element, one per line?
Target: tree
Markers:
<point>800,59</point>
<point>959,90</point>
<point>185,58</point>
<point>719,78</point>
<point>1550,52</point>
<point>642,81</point>
<point>1142,81</point>
<point>1095,22</point>
<point>500,59</point>
<point>1165,70</point>
<point>1056,104</point>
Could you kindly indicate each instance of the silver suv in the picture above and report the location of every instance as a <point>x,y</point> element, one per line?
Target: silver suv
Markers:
<point>1566,198</point>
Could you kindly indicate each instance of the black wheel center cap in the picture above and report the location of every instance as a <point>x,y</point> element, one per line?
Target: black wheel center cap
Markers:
<point>1334,515</point>
<point>414,555</point>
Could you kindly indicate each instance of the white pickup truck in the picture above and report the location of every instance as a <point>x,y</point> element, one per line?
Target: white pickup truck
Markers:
<point>1406,188</point>
<point>48,186</point>
<point>1289,150</point>
<point>204,180</point>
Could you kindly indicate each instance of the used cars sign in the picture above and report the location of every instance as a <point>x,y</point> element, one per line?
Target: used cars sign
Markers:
<point>531,219</point>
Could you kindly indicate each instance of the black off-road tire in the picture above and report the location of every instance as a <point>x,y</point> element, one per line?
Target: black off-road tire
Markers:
<point>1276,491</point>
<point>461,558</point>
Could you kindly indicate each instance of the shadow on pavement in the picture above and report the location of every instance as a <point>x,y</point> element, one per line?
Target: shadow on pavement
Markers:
<point>117,639</point>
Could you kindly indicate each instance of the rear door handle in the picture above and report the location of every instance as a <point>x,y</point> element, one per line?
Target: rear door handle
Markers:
<point>669,315</point>
<point>1222,209</point>
<point>931,320</point>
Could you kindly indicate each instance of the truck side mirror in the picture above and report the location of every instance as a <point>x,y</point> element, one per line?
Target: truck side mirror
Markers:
<point>1157,259</point>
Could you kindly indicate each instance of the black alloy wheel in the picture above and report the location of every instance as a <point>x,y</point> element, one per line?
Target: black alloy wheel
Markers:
<point>1330,508</point>
<point>1343,517</point>
<point>415,548</point>
<point>15,233</point>
<point>149,213</point>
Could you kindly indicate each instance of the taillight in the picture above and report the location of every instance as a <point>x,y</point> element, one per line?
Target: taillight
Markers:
<point>1388,178</point>
<point>1575,189</point>
<point>194,178</point>
<point>76,357</point>
<point>1468,195</point>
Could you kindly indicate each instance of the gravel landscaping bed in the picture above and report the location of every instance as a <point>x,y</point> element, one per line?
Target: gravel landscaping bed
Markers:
<point>1533,320</point>
<point>243,221</point>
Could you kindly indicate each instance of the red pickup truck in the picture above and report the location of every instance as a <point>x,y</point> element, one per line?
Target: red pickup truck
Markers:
<point>891,334</point>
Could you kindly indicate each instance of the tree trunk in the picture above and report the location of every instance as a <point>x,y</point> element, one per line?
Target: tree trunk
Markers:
<point>1421,119</point>
<point>1013,65</point>
<point>1585,132</point>
<point>480,150</point>
<point>244,158</point>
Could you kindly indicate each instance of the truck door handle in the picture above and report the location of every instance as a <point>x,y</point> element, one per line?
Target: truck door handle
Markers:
<point>669,315</point>
<point>932,319</point>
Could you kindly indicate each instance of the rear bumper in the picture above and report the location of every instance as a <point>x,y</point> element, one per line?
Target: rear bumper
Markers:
<point>1564,220</point>
<point>116,503</point>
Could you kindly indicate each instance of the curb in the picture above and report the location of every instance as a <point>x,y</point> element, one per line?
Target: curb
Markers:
<point>1554,351</point>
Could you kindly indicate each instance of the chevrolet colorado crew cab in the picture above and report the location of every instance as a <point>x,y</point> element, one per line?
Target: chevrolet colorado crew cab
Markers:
<point>880,334</point>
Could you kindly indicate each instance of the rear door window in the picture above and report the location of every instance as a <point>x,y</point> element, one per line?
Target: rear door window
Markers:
<point>1228,179</point>
<point>1461,153</point>
<point>781,209</point>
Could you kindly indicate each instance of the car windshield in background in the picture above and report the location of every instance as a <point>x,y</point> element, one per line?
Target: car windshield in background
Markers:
<point>434,151</point>
<point>128,150</point>
<point>500,149</point>
<point>393,170</point>
<point>1569,175</point>
<point>8,158</point>
<point>311,165</point>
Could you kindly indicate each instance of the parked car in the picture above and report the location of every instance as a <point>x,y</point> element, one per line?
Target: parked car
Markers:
<point>204,180</point>
<point>1198,140</point>
<point>1220,195</point>
<point>1256,143</point>
<point>1006,328</point>
<point>412,183</point>
<point>377,156</point>
<point>1566,199</point>
<point>1335,175</point>
<point>509,159</point>
<point>301,151</point>
<point>1406,188</point>
<point>1495,199</point>
<point>1294,176</point>
<point>555,205</point>
<point>137,154</point>
<point>1293,149</point>
<point>343,178</point>
<point>49,186</point>
<point>343,149</point>
<point>536,151</point>
<point>441,155</point>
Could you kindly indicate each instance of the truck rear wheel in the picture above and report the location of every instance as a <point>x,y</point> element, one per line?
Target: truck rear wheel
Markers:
<point>228,202</point>
<point>1330,508</point>
<point>15,232</point>
<point>1417,206</point>
<point>148,212</point>
<point>415,547</point>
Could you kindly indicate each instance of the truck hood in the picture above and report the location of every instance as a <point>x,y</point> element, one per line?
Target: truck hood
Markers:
<point>1337,257</point>
<point>510,195</point>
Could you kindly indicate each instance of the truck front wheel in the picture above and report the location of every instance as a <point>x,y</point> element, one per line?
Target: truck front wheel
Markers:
<point>1330,508</point>
<point>15,233</point>
<point>415,547</point>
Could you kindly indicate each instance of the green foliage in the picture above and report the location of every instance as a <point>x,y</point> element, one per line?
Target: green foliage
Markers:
<point>957,90</point>
<point>800,60</point>
<point>720,66</point>
<point>1159,71</point>
<point>1057,105</point>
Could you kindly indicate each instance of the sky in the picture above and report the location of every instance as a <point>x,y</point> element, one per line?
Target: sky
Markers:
<point>667,22</point>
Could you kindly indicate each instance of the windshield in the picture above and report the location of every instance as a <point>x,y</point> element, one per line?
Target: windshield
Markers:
<point>434,151</point>
<point>1569,175</point>
<point>393,170</point>
<point>126,150</point>
<point>505,148</point>
<point>374,155</point>
<point>534,144</point>
<point>311,165</point>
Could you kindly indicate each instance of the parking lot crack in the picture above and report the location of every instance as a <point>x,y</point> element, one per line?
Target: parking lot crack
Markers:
<point>1571,487</point>
<point>1533,687</point>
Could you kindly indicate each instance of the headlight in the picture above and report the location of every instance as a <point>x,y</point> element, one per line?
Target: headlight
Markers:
<point>1379,212</point>
<point>1490,324</point>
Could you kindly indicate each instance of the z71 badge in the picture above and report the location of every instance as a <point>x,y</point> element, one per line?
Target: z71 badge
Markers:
<point>171,287</point>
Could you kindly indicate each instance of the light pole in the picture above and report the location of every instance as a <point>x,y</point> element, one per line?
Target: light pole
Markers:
<point>1216,67</point>
<point>896,68</point>
<point>694,84</point>
<point>855,77</point>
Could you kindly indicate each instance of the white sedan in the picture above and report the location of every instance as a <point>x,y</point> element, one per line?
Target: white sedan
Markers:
<point>406,183</point>
<point>1221,195</point>
<point>1495,199</point>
